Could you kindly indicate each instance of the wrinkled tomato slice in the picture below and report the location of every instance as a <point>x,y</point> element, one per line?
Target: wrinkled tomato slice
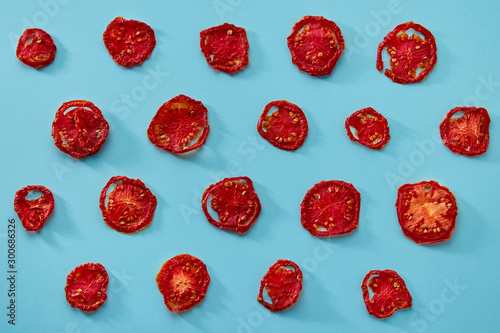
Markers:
<point>315,44</point>
<point>466,130</point>
<point>368,127</point>
<point>411,56</point>
<point>389,293</point>
<point>129,206</point>
<point>283,283</point>
<point>129,42</point>
<point>86,287</point>
<point>235,202</point>
<point>180,125</point>
<point>225,47</point>
<point>183,281</point>
<point>283,124</point>
<point>426,212</point>
<point>33,212</point>
<point>36,48</point>
<point>330,208</point>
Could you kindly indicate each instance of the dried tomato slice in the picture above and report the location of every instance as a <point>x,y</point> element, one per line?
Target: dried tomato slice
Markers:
<point>283,283</point>
<point>225,47</point>
<point>426,212</point>
<point>130,205</point>
<point>180,125</point>
<point>286,128</point>
<point>412,57</point>
<point>129,42</point>
<point>36,48</point>
<point>466,130</point>
<point>86,287</point>
<point>330,208</point>
<point>183,281</point>
<point>235,201</point>
<point>33,212</point>
<point>389,293</point>
<point>370,128</point>
<point>315,44</point>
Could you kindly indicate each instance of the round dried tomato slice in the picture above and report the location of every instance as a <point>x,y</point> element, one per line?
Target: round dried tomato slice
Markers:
<point>183,281</point>
<point>389,293</point>
<point>33,212</point>
<point>368,127</point>
<point>315,44</point>
<point>129,206</point>
<point>286,126</point>
<point>283,283</point>
<point>466,130</point>
<point>330,208</point>
<point>129,42</point>
<point>225,47</point>
<point>36,48</point>
<point>412,57</point>
<point>426,212</point>
<point>86,287</point>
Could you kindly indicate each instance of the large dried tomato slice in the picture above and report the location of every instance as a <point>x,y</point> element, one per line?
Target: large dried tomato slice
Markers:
<point>330,208</point>
<point>36,48</point>
<point>86,287</point>
<point>129,42</point>
<point>33,212</point>
<point>180,125</point>
<point>466,130</point>
<point>283,124</point>
<point>426,212</point>
<point>412,57</point>
<point>315,44</point>
<point>129,206</point>
<point>389,293</point>
<point>225,47</point>
<point>183,281</point>
<point>368,127</point>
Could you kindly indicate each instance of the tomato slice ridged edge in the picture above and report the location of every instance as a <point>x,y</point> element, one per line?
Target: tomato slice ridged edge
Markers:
<point>20,197</point>
<point>73,275</point>
<point>383,122</point>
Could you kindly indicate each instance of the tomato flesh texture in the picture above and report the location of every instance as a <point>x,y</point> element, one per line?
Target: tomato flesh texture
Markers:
<point>33,212</point>
<point>86,287</point>
<point>370,128</point>
<point>36,48</point>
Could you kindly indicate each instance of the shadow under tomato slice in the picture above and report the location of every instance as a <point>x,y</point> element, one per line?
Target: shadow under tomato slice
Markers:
<point>36,48</point>
<point>368,127</point>
<point>86,287</point>
<point>33,212</point>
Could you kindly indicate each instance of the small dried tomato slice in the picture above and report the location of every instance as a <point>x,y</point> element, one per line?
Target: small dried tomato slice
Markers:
<point>36,48</point>
<point>225,47</point>
<point>412,57</point>
<point>315,44</point>
<point>129,42</point>
<point>286,127</point>
<point>466,130</point>
<point>130,205</point>
<point>368,127</point>
<point>86,287</point>
<point>235,201</point>
<point>183,281</point>
<point>426,212</point>
<point>33,212</point>
<point>283,283</point>
<point>389,293</point>
<point>330,208</point>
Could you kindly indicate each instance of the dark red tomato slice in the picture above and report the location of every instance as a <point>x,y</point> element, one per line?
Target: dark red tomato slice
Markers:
<point>129,206</point>
<point>330,208</point>
<point>129,42</point>
<point>235,202</point>
<point>180,125</point>
<point>183,281</point>
<point>225,47</point>
<point>283,283</point>
<point>389,293</point>
<point>466,130</point>
<point>33,212</point>
<point>412,57</point>
<point>368,127</point>
<point>286,126</point>
<point>426,212</point>
<point>36,48</point>
<point>315,44</point>
<point>86,287</point>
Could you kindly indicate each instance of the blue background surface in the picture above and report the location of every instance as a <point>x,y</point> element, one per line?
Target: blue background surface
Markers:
<point>454,284</point>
